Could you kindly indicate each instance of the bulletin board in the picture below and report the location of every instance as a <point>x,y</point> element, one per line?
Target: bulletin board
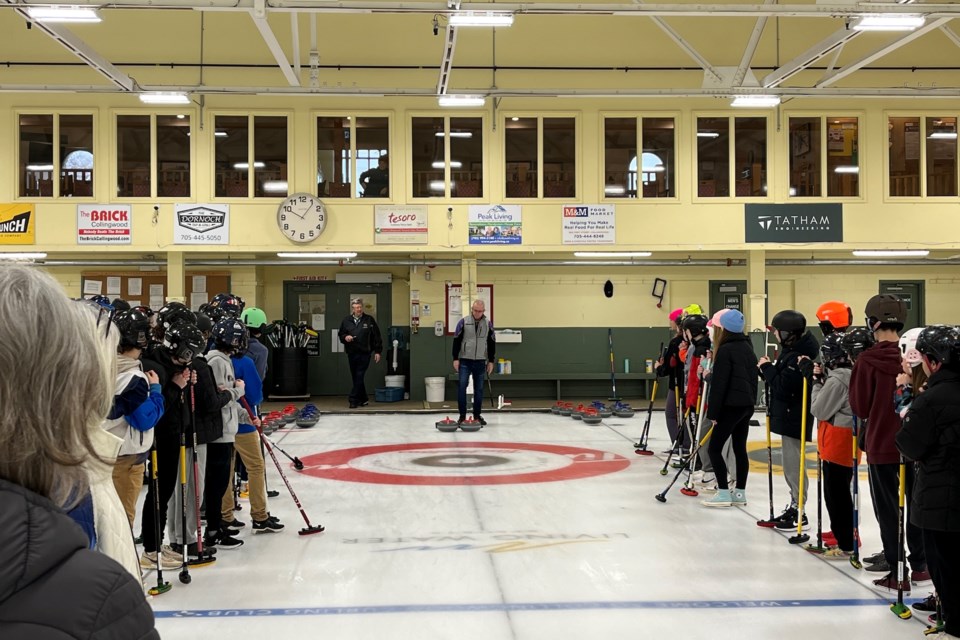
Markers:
<point>453,309</point>
<point>150,287</point>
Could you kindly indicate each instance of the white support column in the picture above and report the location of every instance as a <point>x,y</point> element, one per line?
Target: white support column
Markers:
<point>756,290</point>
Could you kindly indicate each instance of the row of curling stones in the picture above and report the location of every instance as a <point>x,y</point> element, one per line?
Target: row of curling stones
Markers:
<point>447,425</point>
<point>593,413</point>
<point>303,418</point>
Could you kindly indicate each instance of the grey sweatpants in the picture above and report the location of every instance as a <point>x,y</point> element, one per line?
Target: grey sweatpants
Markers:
<point>791,452</point>
<point>174,515</point>
<point>728,456</point>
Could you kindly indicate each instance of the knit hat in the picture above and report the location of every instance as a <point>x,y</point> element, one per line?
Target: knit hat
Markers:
<point>715,320</point>
<point>675,315</point>
<point>732,321</point>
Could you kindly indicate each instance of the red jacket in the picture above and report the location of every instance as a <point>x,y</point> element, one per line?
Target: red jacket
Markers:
<point>872,386</point>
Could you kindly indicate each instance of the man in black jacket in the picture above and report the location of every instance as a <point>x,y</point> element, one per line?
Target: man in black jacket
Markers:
<point>784,379</point>
<point>931,436</point>
<point>361,336</point>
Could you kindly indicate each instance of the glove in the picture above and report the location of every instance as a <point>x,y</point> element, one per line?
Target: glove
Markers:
<point>806,367</point>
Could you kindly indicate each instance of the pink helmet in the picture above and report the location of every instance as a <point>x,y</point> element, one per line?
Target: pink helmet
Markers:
<point>715,320</point>
<point>675,315</point>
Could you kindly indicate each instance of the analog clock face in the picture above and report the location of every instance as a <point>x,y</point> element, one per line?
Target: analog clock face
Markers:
<point>301,217</point>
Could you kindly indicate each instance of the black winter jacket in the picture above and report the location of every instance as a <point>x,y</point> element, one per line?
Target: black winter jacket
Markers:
<point>52,587</point>
<point>931,436</point>
<point>175,411</point>
<point>733,378</point>
<point>366,335</point>
<point>672,366</point>
<point>785,383</point>
<point>208,401</point>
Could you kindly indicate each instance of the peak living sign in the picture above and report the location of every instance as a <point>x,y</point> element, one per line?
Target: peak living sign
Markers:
<point>793,223</point>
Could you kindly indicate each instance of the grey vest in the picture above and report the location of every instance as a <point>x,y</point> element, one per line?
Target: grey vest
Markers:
<point>474,346</point>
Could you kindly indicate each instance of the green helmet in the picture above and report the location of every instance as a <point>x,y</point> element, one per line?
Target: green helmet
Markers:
<point>254,318</point>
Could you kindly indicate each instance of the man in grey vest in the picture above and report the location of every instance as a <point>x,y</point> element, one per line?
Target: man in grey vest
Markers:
<point>474,347</point>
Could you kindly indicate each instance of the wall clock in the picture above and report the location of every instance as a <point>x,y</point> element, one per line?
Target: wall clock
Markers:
<point>301,217</point>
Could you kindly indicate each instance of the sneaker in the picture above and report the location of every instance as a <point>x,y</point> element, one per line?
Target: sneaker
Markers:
<point>739,498</point>
<point>170,554</point>
<point>721,499</point>
<point>149,561</point>
<point>928,604</point>
<point>879,567</point>
<point>829,539</point>
<point>480,419</point>
<point>192,550</point>
<point>234,524</point>
<point>461,420</point>
<point>920,578</point>
<point>889,584</point>
<point>875,558</point>
<point>707,479</point>
<point>789,514</point>
<point>364,403</point>
<point>270,525</point>
<point>227,541</point>
<point>836,553</point>
<point>788,521</point>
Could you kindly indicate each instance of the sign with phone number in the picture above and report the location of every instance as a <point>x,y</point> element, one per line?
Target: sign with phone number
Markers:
<point>589,224</point>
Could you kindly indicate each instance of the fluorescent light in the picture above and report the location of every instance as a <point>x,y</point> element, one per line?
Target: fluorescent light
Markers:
<point>275,186</point>
<point>315,254</point>
<point>164,97</point>
<point>437,185</point>
<point>454,164</point>
<point>612,254</point>
<point>757,101</point>
<point>219,134</point>
<point>846,169</point>
<point>707,134</point>
<point>180,116</point>
<point>246,165</point>
<point>888,22</point>
<point>614,190</point>
<point>456,134</point>
<point>514,119</point>
<point>39,167</point>
<point>22,256</point>
<point>943,135</point>
<point>63,14</point>
<point>891,253</point>
<point>480,19</point>
<point>461,101</point>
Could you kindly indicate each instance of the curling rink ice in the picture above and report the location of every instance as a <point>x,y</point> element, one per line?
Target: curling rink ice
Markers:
<point>538,527</point>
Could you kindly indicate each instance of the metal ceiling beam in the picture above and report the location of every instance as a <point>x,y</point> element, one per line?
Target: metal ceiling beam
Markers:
<point>954,38</point>
<point>446,62</point>
<point>751,49</point>
<point>834,41</point>
<point>271,41</point>
<point>295,45</point>
<point>843,72</point>
<point>684,45</point>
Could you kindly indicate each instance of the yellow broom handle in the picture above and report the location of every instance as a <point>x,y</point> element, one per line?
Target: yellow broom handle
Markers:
<point>803,456</point>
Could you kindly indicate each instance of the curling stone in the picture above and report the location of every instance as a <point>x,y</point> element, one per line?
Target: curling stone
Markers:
<point>591,416</point>
<point>470,424</point>
<point>623,413</point>
<point>307,420</point>
<point>566,409</point>
<point>447,425</point>
<point>555,409</point>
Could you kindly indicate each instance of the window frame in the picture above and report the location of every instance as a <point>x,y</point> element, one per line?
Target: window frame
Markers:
<point>577,151</point>
<point>209,130</point>
<point>602,154</point>
<point>353,114</point>
<point>98,160</point>
<point>154,164</point>
<point>731,116</point>
<point>923,116</point>
<point>862,152</point>
<point>447,196</point>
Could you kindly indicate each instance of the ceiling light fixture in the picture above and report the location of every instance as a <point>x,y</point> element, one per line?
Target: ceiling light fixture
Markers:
<point>455,134</point>
<point>707,134</point>
<point>63,14</point>
<point>454,164</point>
<point>612,254</point>
<point>22,256</point>
<point>275,186</point>
<point>888,22</point>
<point>39,167</point>
<point>614,190</point>
<point>943,135</point>
<point>316,254</point>
<point>891,253</point>
<point>480,19</point>
<point>844,168</point>
<point>246,165</point>
<point>755,102</point>
<point>462,100</point>
<point>164,97</point>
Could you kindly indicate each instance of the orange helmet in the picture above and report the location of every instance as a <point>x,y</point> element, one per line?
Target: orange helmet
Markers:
<point>834,316</point>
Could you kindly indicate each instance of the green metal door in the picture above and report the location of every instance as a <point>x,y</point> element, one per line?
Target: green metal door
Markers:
<point>911,292</point>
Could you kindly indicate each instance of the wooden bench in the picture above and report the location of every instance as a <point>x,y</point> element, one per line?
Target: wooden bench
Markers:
<point>558,378</point>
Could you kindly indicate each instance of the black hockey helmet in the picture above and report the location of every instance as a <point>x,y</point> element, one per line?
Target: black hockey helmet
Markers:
<point>857,340</point>
<point>789,325</point>
<point>204,322</point>
<point>120,304</point>
<point>885,308</point>
<point>101,300</point>
<point>134,326</point>
<point>230,332</point>
<point>183,341</point>
<point>831,351</point>
<point>940,343</point>
<point>696,324</point>
<point>174,312</point>
<point>225,305</point>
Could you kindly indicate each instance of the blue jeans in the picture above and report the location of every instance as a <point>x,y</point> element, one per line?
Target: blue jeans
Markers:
<point>475,368</point>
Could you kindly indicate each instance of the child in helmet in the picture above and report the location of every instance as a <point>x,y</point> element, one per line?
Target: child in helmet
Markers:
<point>834,317</point>
<point>930,435</point>
<point>911,382</point>
<point>830,405</point>
<point>872,386</point>
<point>784,380</point>
<point>256,322</point>
<point>697,334</point>
<point>670,365</point>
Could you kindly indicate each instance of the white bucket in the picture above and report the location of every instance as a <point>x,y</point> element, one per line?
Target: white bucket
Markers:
<point>435,389</point>
<point>396,381</point>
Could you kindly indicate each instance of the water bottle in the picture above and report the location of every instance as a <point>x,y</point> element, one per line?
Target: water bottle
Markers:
<point>626,365</point>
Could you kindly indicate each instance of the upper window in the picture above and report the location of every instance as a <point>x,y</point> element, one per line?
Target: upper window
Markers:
<point>237,174</point>
<point>353,146</point>
<point>535,147</point>
<point>656,177</point>
<point>923,148</point>
<point>56,170</point>
<point>447,157</point>
<point>725,170</point>
<point>139,173</point>
<point>824,151</point>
